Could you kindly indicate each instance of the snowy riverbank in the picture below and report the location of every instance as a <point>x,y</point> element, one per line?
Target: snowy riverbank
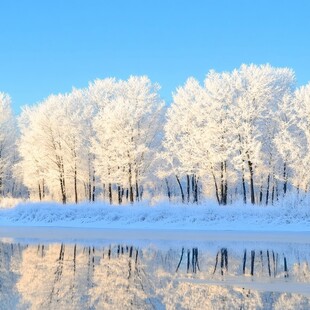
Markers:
<point>287,216</point>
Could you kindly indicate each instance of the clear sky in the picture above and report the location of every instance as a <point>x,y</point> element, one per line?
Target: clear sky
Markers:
<point>49,46</point>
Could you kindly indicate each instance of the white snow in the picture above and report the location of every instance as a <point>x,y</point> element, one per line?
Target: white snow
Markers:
<point>208,216</point>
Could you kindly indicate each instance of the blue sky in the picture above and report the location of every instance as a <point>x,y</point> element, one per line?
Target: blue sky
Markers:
<point>52,45</point>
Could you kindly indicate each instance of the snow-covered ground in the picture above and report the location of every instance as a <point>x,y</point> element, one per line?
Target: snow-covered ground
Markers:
<point>285,216</point>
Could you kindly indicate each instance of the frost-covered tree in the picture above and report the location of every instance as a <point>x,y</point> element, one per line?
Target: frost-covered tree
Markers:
<point>100,93</point>
<point>53,147</point>
<point>126,129</point>
<point>298,138</point>
<point>8,154</point>
<point>286,142</point>
<point>30,168</point>
<point>241,135</point>
<point>259,91</point>
<point>114,124</point>
<point>183,141</point>
<point>225,131</point>
<point>217,131</point>
<point>42,148</point>
<point>75,124</point>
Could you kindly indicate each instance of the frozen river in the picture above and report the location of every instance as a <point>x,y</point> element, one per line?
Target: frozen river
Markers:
<point>73,268</point>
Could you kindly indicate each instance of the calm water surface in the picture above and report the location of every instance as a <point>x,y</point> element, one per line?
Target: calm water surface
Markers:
<point>154,274</point>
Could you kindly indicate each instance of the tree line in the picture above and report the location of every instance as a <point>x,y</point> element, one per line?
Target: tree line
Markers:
<point>241,135</point>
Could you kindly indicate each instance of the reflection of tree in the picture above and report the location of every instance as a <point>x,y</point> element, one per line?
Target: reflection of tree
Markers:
<point>119,282</point>
<point>39,272</point>
<point>48,280</point>
<point>122,277</point>
<point>290,301</point>
<point>188,294</point>
<point>185,295</point>
<point>191,294</point>
<point>9,265</point>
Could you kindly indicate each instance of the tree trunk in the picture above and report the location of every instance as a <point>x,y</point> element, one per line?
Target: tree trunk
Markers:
<point>188,187</point>
<point>62,184</point>
<point>40,196</point>
<point>261,194</point>
<point>110,193</point>
<point>196,189</point>
<point>137,191</point>
<point>181,189</point>
<point>243,188</point>
<point>222,184</point>
<point>130,184</point>
<point>243,180</point>
<point>62,179</point>
<point>216,189</point>
<point>285,179</point>
<point>224,187</point>
<point>168,190</point>
<point>137,186</point>
<point>267,190</point>
<point>89,189</point>
<point>119,192</point>
<point>127,194</point>
<point>75,185</point>
<point>252,193</point>
<point>226,184</point>
<point>93,187</point>
<point>277,191</point>
<point>193,187</point>
<point>43,189</point>
<point>63,190</point>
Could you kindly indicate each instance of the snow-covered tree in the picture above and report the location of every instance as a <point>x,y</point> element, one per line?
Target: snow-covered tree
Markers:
<point>286,142</point>
<point>53,147</point>
<point>225,131</point>
<point>258,91</point>
<point>299,138</point>
<point>183,139</point>
<point>8,154</point>
<point>217,131</point>
<point>242,134</point>
<point>127,130</point>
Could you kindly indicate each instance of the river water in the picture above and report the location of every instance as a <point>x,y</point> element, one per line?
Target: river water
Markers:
<point>210,272</point>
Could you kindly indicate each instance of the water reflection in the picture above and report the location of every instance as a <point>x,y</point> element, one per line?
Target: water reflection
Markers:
<point>123,276</point>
